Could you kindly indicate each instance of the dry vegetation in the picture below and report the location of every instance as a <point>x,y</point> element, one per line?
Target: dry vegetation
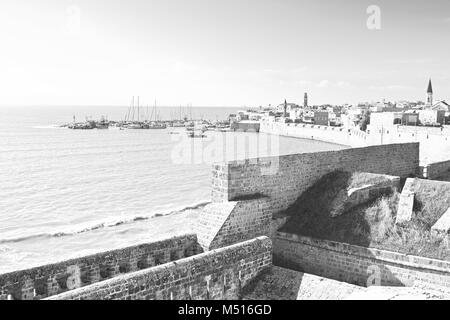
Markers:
<point>371,224</point>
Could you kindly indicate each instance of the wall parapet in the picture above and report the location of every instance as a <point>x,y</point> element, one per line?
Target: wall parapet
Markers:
<point>435,170</point>
<point>216,274</point>
<point>247,193</point>
<point>284,178</point>
<point>356,264</point>
<point>222,224</point>
<point>52,279</point>
<point>428,137</point>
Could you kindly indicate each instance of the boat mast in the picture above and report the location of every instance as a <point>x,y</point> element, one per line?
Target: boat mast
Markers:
<point>127,116</point>
<point>138,108</point>
<point>133,108</point>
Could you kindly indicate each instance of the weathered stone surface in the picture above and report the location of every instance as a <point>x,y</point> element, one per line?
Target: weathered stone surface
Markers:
<point>216,274</point>
<point>442,226</point>
<point>246,193</point>
<point>232,222</point>
<point>48,280</point>
<point>399,293</point>
<point>435,170</point>
<point>357,265</point>
<point>406,203</point>
<point>279,283</point>
<point>283,179</point>
<point>355,196</point>
<point>211,220</point>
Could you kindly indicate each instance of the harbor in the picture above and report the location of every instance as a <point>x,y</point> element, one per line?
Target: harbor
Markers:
<point>140,117</point>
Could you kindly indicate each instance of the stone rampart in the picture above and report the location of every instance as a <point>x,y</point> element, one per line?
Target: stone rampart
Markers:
<point>216,274</point>
<point>247,193</point>
<point>52,279</point>
<point>357,265</point>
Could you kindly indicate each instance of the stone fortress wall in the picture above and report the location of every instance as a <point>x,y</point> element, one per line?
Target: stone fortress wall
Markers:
<point>217,274</point>
<point>232,232</point>
<point>434,142</point>
<point>435,170</point>
<point>52,279</point>
<point>246,194</point>
<point>357,265</point>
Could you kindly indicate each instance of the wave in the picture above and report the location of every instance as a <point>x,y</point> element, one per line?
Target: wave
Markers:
<point>104,224</point>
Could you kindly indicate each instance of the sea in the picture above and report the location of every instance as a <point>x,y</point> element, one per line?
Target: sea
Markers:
<point>67,193</point>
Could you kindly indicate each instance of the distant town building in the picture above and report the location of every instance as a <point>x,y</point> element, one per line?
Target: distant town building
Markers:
<point>242,115</point>
<point>335,118</point>
<point>377,107</point>
<point>385,119</point>
<point>286,107</point>
<point>442,106</point>
<point>432,117</point>
<point>296,114</point>
<point>410,119</point>
<point>430,94</point>
<point>321,118</point>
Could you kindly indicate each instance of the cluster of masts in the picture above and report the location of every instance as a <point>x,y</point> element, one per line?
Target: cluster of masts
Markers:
<point>144,117</point>
<point>134,119</point>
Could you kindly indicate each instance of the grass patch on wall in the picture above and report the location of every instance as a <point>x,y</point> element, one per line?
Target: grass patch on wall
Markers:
<point>371,224</point>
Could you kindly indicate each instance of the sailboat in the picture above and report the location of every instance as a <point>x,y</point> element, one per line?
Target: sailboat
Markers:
<point>157,123</point>
<point>131,111</point>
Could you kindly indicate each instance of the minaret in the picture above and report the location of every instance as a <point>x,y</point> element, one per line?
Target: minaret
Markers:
<point>305,100</point>
<point>285,108</point>
<point>430,94</point>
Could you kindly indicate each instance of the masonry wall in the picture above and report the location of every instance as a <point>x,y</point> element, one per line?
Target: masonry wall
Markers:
<point>338,135</point>
<point>436,170</point>
<point>283,179</point>
<point>48,280</point>
<point>246,194</point>
<point>429,138</point>
<point>217,274</point>
<point>357,265</point>
<point>223,224</point>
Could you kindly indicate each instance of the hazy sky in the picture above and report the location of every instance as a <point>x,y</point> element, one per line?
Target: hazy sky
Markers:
<point>227,52</point>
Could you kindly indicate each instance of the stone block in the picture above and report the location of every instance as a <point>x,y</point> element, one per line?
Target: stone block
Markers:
<point>442,226</point>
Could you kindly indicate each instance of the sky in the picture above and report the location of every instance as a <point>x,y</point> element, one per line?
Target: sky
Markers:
<point>222,53</point>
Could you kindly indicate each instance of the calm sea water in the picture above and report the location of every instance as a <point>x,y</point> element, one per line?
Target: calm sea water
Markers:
<point>66,193</point>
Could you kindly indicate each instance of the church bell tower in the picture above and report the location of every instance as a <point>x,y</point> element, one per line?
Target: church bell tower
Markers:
<point>430,94</point>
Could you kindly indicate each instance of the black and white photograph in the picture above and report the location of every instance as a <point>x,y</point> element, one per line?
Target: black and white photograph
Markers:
<point>236,152</point>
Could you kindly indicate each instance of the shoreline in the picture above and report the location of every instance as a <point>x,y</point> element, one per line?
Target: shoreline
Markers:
<point>97,241</point>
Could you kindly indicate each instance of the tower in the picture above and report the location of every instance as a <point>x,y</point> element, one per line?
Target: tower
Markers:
<point>285,108</point>
<point>305,100</point>
<point>430,94</point>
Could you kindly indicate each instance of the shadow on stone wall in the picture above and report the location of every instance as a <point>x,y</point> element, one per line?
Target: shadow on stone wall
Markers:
<point>328,210</point>
<point>365,272</point>
<point>325,211</point>
<point>273,284</point>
